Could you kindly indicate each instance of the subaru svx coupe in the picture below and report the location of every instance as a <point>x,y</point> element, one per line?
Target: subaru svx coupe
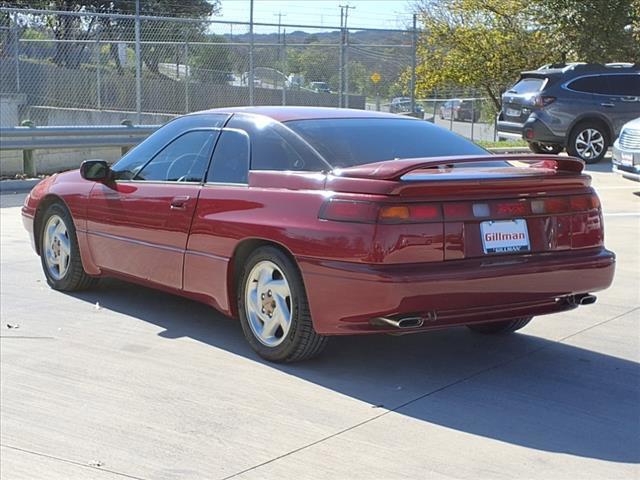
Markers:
<point>305,223</point>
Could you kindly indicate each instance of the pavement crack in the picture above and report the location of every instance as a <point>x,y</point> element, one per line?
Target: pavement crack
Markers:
<point>551,344</point>
<point>72,462</point>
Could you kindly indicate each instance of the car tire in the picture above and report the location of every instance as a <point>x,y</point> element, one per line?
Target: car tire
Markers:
<point>588,141</point>
<point>500,328</point>
<point>59,252</point>
<point>270,291</point>
<point>549,149</point>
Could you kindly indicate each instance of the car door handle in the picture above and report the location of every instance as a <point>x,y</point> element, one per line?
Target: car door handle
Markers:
<point>179,203</point>
<point>608,105</point>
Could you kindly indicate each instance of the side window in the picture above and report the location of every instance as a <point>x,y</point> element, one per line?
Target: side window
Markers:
<point>128,166</point>
<point>593,84</point>
<point>275,147</point>
<point>625,85</point>
<point>184,160</point>
<point>230,162</point>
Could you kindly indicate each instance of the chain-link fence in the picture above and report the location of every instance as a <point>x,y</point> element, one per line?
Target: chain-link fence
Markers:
<point>84,68</point>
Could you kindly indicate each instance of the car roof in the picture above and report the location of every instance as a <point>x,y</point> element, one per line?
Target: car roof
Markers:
<point>284,114</point>
<point>575,69</point>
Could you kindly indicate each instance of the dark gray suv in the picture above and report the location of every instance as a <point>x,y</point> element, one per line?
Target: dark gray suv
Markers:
<point>580,107</point>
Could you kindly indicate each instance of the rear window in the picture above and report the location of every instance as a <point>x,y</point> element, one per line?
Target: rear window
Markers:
<point>346,142</point>
<point>528,85</point>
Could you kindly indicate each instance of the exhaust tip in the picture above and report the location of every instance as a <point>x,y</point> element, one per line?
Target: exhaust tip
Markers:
<point>401,323</point>
<point>410,322</point>
<point>587,299</point>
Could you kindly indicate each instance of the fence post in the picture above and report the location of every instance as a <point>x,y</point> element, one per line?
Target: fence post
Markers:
<point>251,66</point>
<point>473,116</point>
<point>17,55</point>
<point>28,164</point>
<point>346,68</point>
<point>186,72</point>
<point>435,104</point>
<point>341,68</point>
<point>126,123</point>
<point>414,47</point>
<point>138,65</point>
<point>285,67</point>
<point>98,73</point>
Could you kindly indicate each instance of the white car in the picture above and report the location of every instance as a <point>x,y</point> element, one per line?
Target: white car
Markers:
<point>626,151</point>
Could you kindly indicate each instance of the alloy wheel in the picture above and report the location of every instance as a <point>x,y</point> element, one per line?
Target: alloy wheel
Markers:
<point>268,303</point>
<point>589,143</point>
<point>57,247</point>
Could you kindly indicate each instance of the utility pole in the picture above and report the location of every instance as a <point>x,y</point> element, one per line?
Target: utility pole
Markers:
<point>345,45</point>
<point>251,71</point>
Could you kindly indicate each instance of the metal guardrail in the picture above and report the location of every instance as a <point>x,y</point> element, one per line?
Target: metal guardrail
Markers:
<point>32,138</point>
<point>29,138</point>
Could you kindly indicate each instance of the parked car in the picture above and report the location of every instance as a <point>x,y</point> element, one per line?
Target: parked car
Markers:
<point>403,105</point>
<point>626,151</point>
<point>320,87</point>
<point>307,222</point>
<point>580,107</point>
<point>460,110</point>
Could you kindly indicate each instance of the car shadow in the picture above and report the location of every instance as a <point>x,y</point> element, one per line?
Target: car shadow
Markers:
<point>519,389</point>
<point>602,166</point>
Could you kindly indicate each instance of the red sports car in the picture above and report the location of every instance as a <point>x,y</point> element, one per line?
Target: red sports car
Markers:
<point>309,222</point>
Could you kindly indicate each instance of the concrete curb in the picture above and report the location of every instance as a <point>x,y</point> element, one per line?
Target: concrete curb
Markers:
<point>509,150</point>
<point>18,186</point>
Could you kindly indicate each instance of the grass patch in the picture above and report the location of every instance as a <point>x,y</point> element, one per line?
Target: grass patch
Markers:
<point>503,144</point>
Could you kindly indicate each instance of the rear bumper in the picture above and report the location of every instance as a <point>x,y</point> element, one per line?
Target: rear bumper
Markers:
<point>344,297</point>
<point>629,166</point>
<point>533,130</point>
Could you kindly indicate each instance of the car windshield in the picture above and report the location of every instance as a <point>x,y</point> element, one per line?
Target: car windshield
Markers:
<point>527,85</point>
<point>346,142</point>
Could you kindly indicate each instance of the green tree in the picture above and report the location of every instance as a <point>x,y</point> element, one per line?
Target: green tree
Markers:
<point>476,43</point>
<point>73,27</point>
<point>212,62</point>
<point>590,31</point>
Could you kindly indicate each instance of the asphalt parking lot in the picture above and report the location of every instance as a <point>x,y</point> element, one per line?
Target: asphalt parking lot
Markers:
<point>126,382</point>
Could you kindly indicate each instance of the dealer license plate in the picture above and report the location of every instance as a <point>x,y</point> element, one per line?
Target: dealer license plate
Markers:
<point>505,236</point>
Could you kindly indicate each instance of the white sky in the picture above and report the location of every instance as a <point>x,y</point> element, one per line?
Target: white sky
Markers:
<point>368,13</point>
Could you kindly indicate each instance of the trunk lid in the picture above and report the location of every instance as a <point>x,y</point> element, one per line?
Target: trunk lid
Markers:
<point>478,206</point>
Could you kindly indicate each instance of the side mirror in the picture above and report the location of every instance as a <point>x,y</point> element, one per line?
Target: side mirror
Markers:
<point>95,170</point>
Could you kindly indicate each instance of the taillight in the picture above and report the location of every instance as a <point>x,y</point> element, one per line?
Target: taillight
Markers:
<point>340,210</point>
<point>411,213</point>
<point>550,205</point>
<point>543,100</point>
<point>582,203</point>
<point>510,209</point>
<point>458,211</point>
<point>349,211</point>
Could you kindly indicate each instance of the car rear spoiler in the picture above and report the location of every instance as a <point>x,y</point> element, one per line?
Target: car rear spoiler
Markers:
<point>394,170</point>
